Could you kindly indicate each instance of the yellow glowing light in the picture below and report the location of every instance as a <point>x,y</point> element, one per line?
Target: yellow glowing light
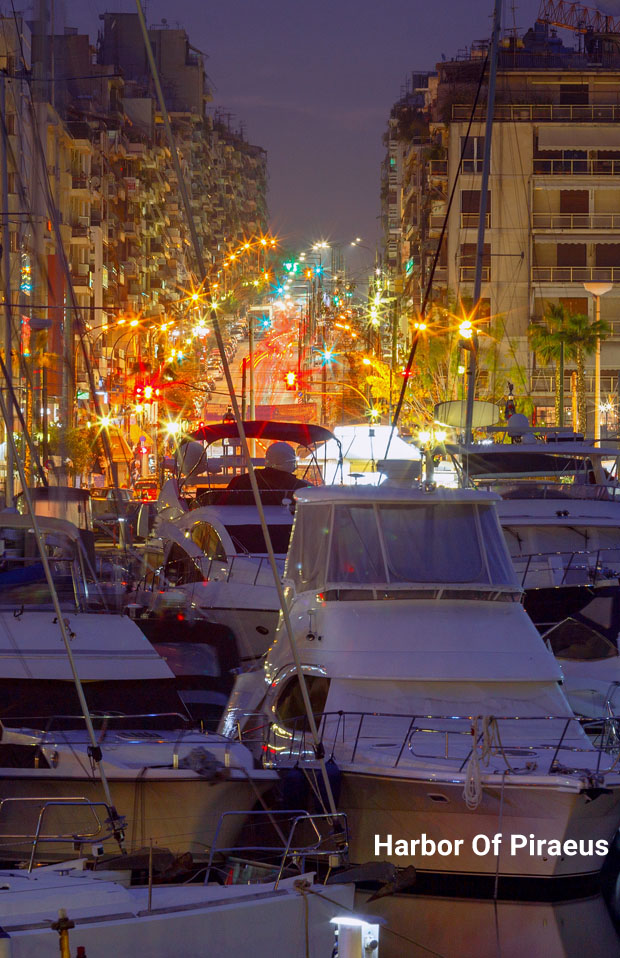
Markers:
<point>195,296</point>
<point>121,322</point>
<point>441,435</point>
<point>105,421</point>
<point>424,436</point>
<point>134,322</point>
<point>466,329</point>
<point>420,326</point>
<point>148,392</point>
<point>460,370</point>
<point>172,428</point>
<point>366,361</point>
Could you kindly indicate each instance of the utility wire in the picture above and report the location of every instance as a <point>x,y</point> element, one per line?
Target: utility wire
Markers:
<point>429,285</point>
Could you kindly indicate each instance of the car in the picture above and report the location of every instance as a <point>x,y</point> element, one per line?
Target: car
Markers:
<point>146,490</point>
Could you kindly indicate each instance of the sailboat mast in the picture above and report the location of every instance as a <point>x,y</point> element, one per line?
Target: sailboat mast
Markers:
<point>6,269</point>
<point>484,186</point>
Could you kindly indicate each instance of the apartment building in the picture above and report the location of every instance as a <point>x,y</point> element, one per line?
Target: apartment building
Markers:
<point>553,206</point>
<point>116,209</point>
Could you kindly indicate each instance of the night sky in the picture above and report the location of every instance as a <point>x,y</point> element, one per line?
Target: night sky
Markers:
<point>313,84</point>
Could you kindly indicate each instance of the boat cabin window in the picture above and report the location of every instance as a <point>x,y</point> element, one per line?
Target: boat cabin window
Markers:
<point>180,568</point>
<point>290,704</point>
<point>250,538</point>
<point>207,539</point>
<point>418,542</point>
<point>189,658</point>
<point>571,639</point>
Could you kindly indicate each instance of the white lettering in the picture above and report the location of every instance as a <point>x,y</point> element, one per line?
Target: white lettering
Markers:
<point>386,846</point>
<point>496,841</point>
<point>516,842</point>
<point>401,848</point>
<point>428,846</point>
<point>602,847</point>
<point>477,842</point>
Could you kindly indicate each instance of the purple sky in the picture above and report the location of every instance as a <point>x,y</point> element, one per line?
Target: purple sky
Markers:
<point>313,84</point>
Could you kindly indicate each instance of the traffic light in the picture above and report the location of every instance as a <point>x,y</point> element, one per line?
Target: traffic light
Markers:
<point>148,393</point>
<point>291,380</point>
<point>138,394</point>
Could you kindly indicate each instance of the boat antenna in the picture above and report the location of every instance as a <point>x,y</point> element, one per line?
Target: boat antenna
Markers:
<point>431,276</point>
<point>94,750</point>
<point>319,749</point>
<point>484,185</point>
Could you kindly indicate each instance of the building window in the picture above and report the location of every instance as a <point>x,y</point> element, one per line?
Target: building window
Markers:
<point>473,153</point>
<point>571,254</point>
<point>574,93</point>
<point>470,209</point>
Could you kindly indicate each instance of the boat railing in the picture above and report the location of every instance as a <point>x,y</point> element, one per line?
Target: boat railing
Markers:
<point>252,570</point>
<point>576,567</point>
<point>531,488</point>
<point>522,744</point>
<point>102,828</point>
<point>286,837</point>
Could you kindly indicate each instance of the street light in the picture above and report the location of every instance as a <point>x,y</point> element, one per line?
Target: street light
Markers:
<point>597,290</point>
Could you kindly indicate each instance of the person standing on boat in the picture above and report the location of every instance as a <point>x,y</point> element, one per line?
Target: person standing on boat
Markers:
<point>277,475</point>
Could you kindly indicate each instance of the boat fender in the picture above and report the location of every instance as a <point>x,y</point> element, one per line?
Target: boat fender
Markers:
<point>294,788</point>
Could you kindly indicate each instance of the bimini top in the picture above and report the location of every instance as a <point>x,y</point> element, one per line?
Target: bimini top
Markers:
<point>365,537</point>
<point>501,460</point>
<point>365,495</point>
<point>304,434</point>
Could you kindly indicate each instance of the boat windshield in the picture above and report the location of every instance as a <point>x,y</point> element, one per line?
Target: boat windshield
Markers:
<point>396,543</point>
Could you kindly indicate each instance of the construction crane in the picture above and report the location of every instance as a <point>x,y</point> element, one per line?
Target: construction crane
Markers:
<point>573,16</point>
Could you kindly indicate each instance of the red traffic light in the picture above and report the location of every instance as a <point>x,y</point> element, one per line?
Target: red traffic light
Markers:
<point>291,380</point>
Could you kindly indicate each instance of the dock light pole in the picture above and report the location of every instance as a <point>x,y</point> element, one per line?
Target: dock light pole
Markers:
<point>597,290</point>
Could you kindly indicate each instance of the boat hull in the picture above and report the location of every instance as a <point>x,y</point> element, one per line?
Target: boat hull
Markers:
<point>174,810</point>
<point>407,808</point>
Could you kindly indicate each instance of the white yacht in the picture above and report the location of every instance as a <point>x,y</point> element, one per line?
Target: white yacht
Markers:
<point>214,564</point>
<point>169,781</point>
<point>560,512</point>
<point>108,916</point>
<point>212,560</point>
<point>435,695</point>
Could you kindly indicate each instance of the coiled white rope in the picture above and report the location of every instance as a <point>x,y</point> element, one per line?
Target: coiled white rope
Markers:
<point>472,789</point>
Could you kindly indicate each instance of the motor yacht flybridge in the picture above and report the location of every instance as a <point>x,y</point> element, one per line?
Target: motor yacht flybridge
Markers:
<point>560,512</point>
<point>434,693</point>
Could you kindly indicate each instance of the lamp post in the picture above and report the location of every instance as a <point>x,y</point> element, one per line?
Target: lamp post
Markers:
<point>597,290</point>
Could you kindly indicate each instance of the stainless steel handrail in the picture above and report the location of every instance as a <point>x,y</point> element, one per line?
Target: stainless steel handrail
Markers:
<point>289,850</point>
<point>295,731</point>
<point>45,805</point>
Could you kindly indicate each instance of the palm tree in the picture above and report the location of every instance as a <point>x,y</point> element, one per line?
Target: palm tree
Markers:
<point>551,342</point>
<point>583,336</point>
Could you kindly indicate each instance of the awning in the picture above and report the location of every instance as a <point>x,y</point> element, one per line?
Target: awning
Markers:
<point>579,138</point>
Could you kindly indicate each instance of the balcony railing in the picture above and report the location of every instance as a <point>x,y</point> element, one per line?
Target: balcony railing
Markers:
<point>584,167</point>
<point>471,220</point>
<point>543,112</point>
<point>467,274</point>
<point>563,275</point>
<point>438,167</point>
<point>576,221</point>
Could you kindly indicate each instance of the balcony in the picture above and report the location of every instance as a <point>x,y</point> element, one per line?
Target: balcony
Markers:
<point>80,181</point>
<point>593,167</point>
<point>467,274</point>
<point>576,221</point>
<point>470,220</point>
<point>565,275</point>
<point>542,112</point>
<point>438,169</point>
